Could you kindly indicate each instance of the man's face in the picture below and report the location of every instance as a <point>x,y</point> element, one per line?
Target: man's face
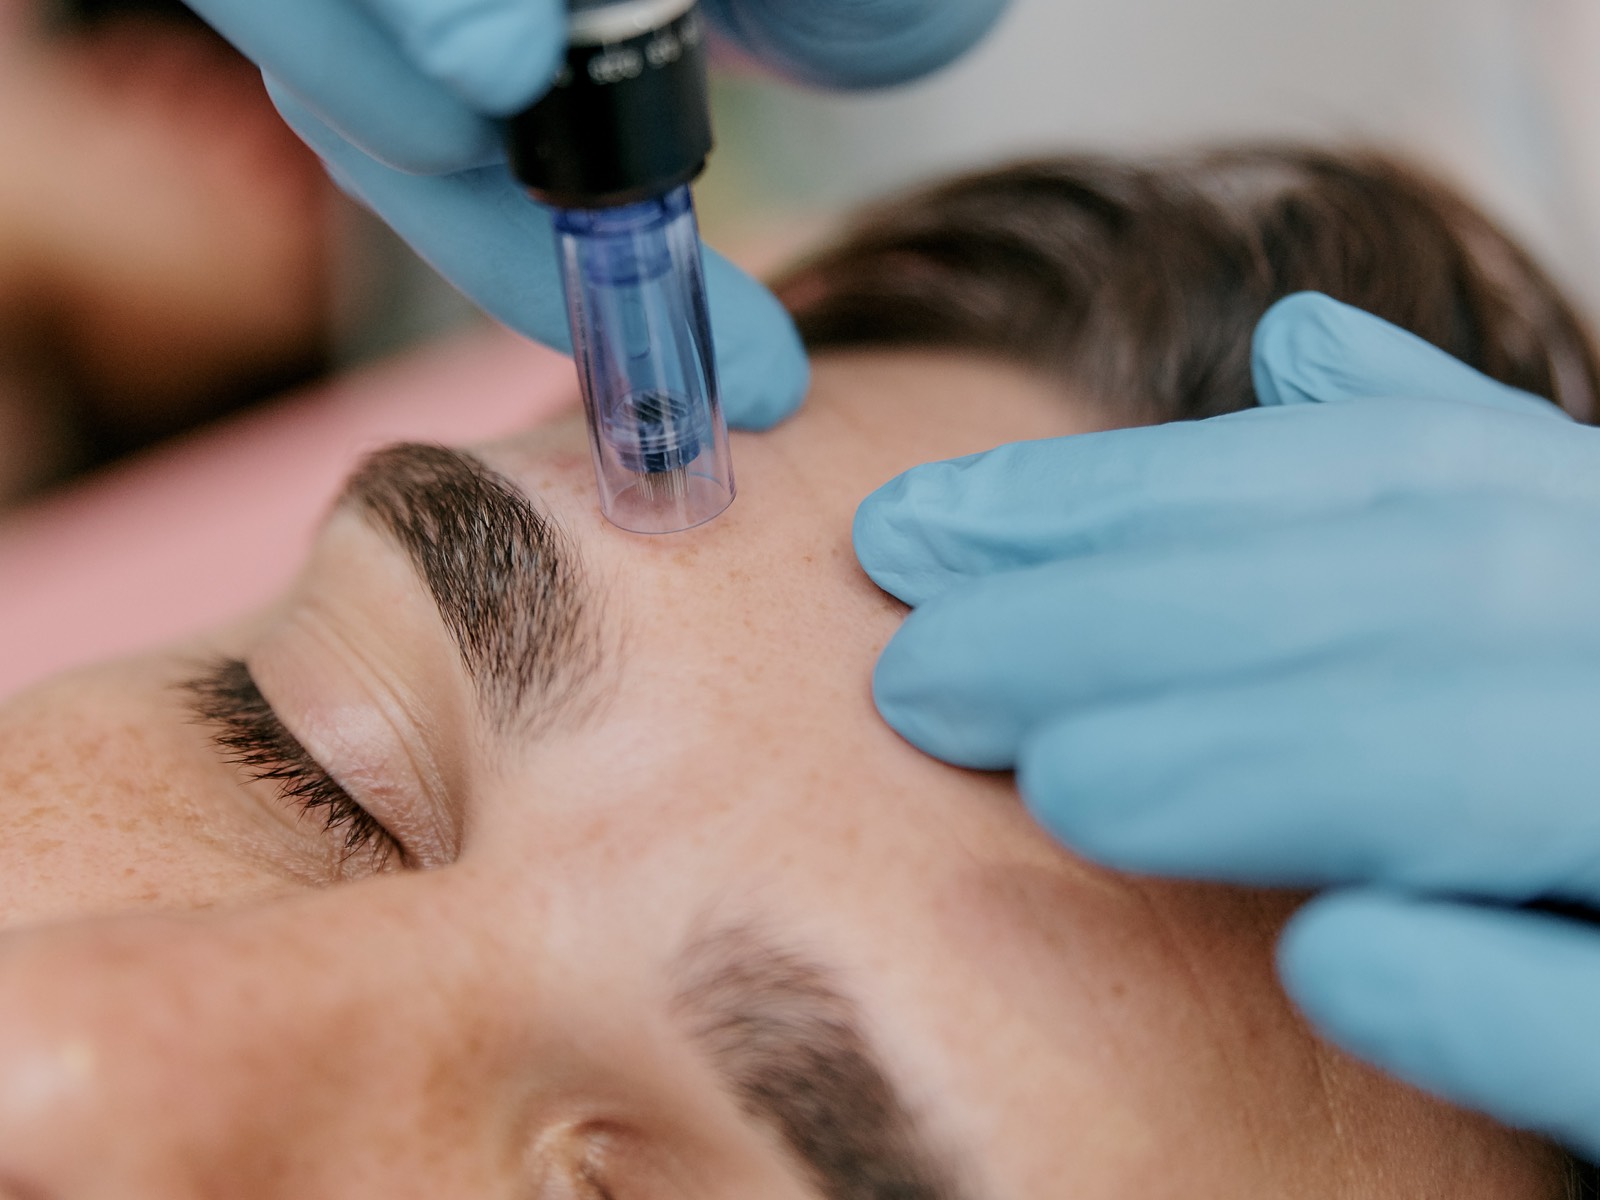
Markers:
<point>587,870</point>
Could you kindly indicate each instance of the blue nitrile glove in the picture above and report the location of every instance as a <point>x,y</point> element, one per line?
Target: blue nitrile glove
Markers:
<point>401,100</point>
<point>1348,640</point>
<point>855,43</point>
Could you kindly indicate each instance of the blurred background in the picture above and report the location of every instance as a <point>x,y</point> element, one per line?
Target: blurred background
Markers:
<point>169,254</point>
<point>1502,95</point>
<point>173,262</point>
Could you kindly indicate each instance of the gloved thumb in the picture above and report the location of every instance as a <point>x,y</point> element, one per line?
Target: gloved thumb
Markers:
<point>1311,349</point>
<point>1489,1007</point>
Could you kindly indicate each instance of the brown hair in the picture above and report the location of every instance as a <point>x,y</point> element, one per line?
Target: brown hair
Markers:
<point>1140,283</point>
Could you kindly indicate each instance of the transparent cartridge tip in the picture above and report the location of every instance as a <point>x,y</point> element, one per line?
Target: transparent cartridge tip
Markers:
<point>641,335</point>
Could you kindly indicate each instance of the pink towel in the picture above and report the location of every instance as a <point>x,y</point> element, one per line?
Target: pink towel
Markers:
<point>193,534</point>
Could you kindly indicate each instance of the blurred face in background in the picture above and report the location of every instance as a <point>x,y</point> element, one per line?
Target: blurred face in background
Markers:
<point>166,243</point>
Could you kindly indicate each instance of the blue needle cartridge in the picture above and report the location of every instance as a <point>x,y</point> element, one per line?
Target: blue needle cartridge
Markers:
<point>612,149</point>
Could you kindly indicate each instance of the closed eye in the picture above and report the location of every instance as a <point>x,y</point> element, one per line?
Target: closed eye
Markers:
<point>247,733</point>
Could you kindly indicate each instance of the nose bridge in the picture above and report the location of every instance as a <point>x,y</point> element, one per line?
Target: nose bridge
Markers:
<point>191,1051</point>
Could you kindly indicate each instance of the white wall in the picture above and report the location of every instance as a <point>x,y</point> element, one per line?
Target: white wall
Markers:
<point>1497,92</point>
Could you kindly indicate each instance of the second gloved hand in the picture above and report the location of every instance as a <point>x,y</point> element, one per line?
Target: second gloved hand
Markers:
<point>1349,640</point>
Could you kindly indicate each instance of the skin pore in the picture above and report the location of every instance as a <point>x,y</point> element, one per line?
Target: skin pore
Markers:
<point>653,905</point>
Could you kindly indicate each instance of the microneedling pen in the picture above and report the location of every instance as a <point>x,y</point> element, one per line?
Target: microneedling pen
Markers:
<point>612,148</point>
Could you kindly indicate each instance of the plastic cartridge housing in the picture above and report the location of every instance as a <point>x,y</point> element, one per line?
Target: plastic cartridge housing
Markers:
<point>612,149</point>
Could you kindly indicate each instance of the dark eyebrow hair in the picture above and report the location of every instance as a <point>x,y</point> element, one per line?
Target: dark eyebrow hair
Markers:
<point>508,584</point>
<point>789,1046</point>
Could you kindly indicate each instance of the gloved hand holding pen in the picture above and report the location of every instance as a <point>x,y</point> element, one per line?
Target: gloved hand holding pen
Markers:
<point>1348,640</point>
<point>401,98</point>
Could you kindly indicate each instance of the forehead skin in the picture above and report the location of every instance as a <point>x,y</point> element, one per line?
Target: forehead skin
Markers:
<point>1059,1030</point>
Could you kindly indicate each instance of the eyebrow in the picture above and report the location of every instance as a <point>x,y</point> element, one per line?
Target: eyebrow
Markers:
<point>507,583</point>
<point>789,1046</point>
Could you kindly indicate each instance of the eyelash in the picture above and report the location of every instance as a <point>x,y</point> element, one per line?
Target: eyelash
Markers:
<point>248,734</point>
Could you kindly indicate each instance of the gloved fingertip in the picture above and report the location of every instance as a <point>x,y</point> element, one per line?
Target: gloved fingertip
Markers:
<point>911,687</point>
<point>1486,1006</point>
<point>1057,801</point>
<point>761,361</point>
<point>1364,966</point>
<point>1042,793</point>
<point>877,539</point>
<point>1325,957</point>
<point>1312,349</point>
<point>764,382</point>
<point>1350,960</point>
<point>1288,341</point>
<point>896,702</point>
<point>891,537</point>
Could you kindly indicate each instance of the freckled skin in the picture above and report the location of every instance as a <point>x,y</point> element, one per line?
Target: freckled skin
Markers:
<point>192,985</point>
